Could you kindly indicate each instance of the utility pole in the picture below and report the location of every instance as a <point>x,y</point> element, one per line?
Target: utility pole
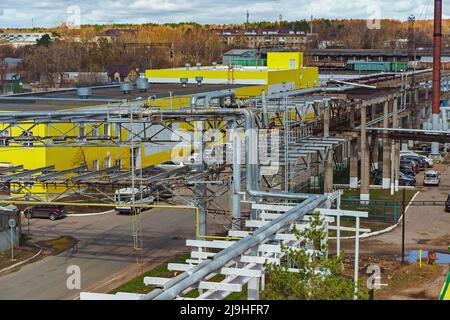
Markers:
<point>403,225</point>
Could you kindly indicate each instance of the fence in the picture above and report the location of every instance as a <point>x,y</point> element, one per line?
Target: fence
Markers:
<point>379,210</point>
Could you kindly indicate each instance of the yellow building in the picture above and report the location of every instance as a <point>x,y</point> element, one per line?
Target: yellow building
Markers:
<point>284,71</point>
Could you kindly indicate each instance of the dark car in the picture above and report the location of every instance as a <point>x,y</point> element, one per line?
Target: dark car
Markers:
<point>408,173</point>
<point>51,212</point>
<point>418,160</point>
<point>412,165</point>
<point>447,204</point>
<point>405,180</point>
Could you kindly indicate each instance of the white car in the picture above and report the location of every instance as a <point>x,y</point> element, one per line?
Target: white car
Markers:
<point>429,161</point>
<point>170,165</point>
<point>432,178</point>
<point>123,199</point>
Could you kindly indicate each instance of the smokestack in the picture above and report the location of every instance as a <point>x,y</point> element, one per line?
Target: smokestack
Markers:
<point>437,50</point>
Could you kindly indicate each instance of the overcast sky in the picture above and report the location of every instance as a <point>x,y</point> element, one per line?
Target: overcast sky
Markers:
<point>47,13</point>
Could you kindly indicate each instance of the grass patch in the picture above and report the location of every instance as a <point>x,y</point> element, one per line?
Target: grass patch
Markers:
<point>381,194</point>
<point>58,245</point>
<point>20,254</point>
<point>384,209</point>
<point>136,285</point>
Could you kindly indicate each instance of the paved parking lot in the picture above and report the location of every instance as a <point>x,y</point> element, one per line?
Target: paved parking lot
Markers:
<point>104,254</point>
<point>426,227</point>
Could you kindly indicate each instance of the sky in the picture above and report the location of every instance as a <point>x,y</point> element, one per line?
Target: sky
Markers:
<point>50,13</point>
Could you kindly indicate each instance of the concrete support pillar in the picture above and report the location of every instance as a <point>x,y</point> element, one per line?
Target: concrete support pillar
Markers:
<point>396,160</point>
<point>354,164</point>
<point>365,169</point>
<point>200,190</point>
<point>328,183</point>
<point>253,289</point>
<point>386,151</point>
<point>352,116</point>
<point>375,154</point>
<point>373,112</point>
<point>326,119</point>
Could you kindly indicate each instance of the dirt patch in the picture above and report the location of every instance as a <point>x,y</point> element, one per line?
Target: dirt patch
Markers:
<point>402,282</point>
<point>54,247</point>
<point>22,253</point>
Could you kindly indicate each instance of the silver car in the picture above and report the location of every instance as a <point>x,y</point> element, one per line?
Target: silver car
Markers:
<point>432,178</point>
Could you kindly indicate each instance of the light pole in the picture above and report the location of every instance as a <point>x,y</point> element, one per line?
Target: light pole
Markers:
<point>12,224</point>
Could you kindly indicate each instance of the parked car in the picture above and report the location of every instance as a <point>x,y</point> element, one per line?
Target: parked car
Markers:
<point>406,180</point>
<point>411,165</point>
<point>408,173</point>
<point>447,204</point>
<point>432,178</point>
<point>170,165</point>
<point>428,160</point>
<point>51,212</point>
<point>419,160</point>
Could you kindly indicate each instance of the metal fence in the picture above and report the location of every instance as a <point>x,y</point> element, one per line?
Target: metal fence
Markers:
<point>379,210</point>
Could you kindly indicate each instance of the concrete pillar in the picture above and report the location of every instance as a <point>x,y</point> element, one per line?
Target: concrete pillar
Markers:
<point>396,160</point>
<point>365,169</point>
<point>373,112</point>
<point>326,119</point>
<point>374,143</point>
<point>386,151</point>
<point>328,183</point>
<point>253,289</point>
<point>200,190</point>
<point>354,163</point>
<point>352,116</point>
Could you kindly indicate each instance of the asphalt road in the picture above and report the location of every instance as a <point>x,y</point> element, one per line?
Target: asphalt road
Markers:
<point>104,254</point>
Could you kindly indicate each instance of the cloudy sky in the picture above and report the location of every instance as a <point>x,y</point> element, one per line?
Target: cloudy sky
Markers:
<point>24,13</point>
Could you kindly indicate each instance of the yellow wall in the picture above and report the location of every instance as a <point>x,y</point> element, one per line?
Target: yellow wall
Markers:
<point>282,60</point>
<point>309,77</point>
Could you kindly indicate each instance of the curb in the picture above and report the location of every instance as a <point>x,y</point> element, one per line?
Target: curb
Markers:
<point>90,214</point>
<point>377,233</point>
<point>22,262</point>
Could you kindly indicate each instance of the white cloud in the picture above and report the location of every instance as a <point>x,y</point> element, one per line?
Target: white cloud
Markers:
<point>19,13</point>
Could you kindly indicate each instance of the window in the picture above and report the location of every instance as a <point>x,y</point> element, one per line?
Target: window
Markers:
<point>118,163</point>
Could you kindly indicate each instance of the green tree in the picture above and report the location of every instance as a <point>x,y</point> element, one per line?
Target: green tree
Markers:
<point>319,278</point>
<point>45,40</point>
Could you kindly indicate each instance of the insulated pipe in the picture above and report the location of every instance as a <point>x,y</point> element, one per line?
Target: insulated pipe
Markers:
<point>13,98</point>
<point>186,280</point>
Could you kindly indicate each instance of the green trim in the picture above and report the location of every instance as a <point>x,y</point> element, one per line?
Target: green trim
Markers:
<point>445,289</point>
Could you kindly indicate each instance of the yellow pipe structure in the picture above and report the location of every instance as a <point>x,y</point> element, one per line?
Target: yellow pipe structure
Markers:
<point>111,205</point>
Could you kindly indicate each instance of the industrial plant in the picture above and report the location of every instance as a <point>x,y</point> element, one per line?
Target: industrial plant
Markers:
<point>169,174</point>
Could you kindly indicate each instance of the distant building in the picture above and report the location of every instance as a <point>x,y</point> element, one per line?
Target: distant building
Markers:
<point>121,73</point>
<point>234,54</point>
<point>266,37</point>
<point>18,39</point>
